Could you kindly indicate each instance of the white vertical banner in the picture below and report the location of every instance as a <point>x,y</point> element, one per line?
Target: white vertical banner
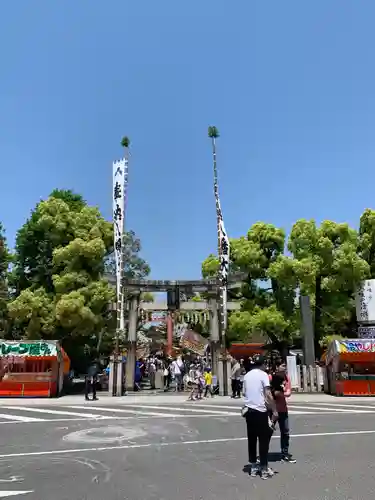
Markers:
<point>120,176</point>
<point>365,302</point>
<point>224,264</point>
<point>291,363</point>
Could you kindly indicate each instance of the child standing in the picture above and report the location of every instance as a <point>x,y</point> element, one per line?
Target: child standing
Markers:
<point>208,383</point>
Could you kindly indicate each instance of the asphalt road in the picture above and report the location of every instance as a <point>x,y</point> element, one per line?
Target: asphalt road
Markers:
<point>185,451</point>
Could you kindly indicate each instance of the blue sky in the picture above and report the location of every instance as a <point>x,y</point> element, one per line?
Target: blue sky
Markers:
<point>290,85</point>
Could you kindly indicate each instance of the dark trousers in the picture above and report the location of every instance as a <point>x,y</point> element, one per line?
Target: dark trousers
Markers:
<point>284,432</point>
<point>166,382</point>
<point>208,390</point>
<point>178,379</point>
<point>258,430</point>
<point>90,383</point>
<point>236,388</point>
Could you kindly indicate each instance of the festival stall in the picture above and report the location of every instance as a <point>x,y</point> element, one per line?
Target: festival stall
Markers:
<point>244,351</point>
<point>351,367</point>
<point>32,368</point>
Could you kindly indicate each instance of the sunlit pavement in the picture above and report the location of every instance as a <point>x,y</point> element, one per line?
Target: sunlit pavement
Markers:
<point>168,450</point>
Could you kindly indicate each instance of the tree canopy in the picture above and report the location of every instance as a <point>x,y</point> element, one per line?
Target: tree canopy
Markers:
<point>57,286</point>
<point>325,262</point>
<point>134,265</point>
<point>58,269</point>
<point>4,293</point>
<point>58,277</point>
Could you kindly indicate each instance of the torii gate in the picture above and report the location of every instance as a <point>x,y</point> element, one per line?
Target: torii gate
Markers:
<point>134,288</point>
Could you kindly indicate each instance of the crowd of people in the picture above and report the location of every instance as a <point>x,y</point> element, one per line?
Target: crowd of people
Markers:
<point>191,374</point>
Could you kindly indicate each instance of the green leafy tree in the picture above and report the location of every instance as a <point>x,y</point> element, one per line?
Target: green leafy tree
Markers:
<point>147,297</point>
<point>210,266</point>
<point>33,313</point>
<point>268,303</point>
<point>367,239</point>
<point>328,267</point>
<point>65,298</point>
<point>134,266</point>
<point>125,143</point>
<point>37,239</point>
<point>4,295</point>
<point>327,339</point>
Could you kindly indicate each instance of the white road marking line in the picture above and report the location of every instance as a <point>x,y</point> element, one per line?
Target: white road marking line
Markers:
<point>52,412</point>
<point>293,405</point>
<point>189,409</point>
<point>18,418</point>
<point>121,410</point>
<point>172,443</point>
<point>44,420</point>
<point>338,410</point>
<point>4,494</point>
<point>291,412</point>
<point>348,405</point>
<point>10,419</point>
<point>144,416</point>
<point>206,405</point>
<point>297,412</point>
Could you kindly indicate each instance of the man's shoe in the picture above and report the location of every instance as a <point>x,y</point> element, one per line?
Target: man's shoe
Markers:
<point>266,473</point>
<point>95,399</point>
<point>288,458</point>
<point>271,472</point>
<point>254,470</point>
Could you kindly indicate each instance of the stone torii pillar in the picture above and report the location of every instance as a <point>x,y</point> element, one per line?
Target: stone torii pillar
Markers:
<point>131,356</point>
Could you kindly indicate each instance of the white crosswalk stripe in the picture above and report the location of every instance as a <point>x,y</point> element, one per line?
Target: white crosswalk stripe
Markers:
<point>191,410</point>
<point>343,405</point>
<point>321,408</point>
<point>18,418</point>
<point>52,412</point>
<point>122,410</point>
<point>306,408</point>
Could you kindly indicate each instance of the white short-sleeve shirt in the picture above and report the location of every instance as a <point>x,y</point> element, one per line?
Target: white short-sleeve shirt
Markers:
<point>255,383</point>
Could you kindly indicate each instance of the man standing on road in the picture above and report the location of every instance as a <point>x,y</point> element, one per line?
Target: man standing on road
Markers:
<point>258,401</point>
<point>92,379</point>
<point>281,389</point>
<point>236,379</point>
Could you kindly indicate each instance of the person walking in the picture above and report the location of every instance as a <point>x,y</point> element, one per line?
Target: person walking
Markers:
<point>91,380</point>
<point>152,371</point>
<point>236,379</point>
<point>137,375</point>
<point>176,372</point>
<point>242,374</point>
<point>281,389</point>
<point>258,401</point>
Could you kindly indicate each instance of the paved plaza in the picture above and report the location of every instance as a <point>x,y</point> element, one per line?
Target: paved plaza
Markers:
<point>166,448</point>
